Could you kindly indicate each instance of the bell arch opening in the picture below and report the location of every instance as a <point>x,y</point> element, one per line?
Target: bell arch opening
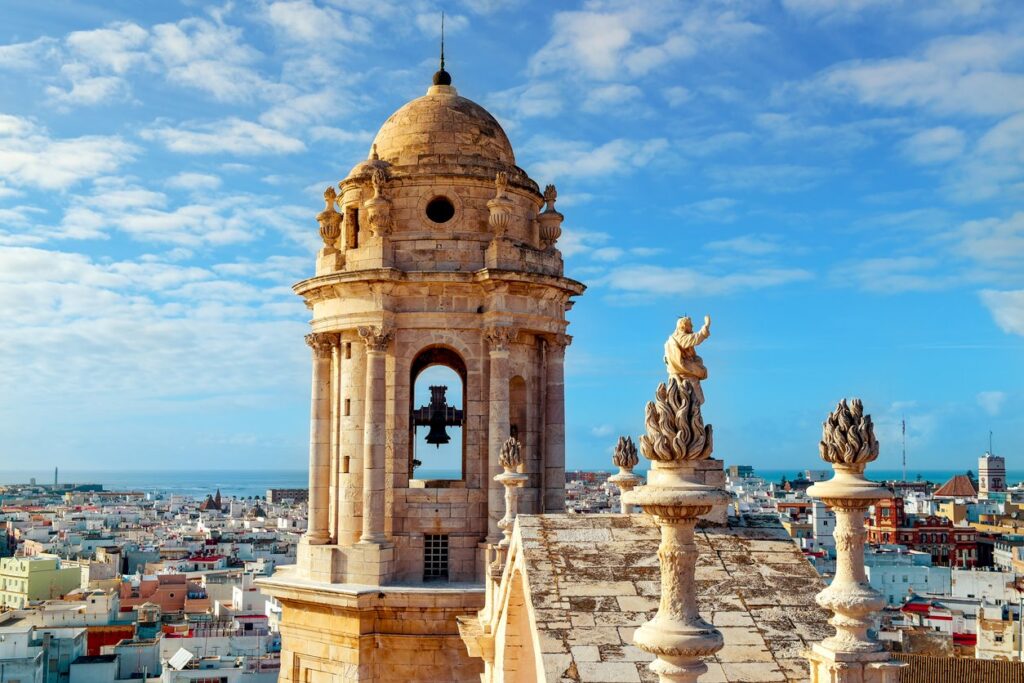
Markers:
<point>437,452</point>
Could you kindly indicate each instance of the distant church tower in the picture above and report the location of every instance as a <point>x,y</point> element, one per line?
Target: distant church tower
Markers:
<point>438,250</point>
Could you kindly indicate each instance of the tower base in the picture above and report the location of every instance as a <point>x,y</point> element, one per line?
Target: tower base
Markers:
<point>338,632</point>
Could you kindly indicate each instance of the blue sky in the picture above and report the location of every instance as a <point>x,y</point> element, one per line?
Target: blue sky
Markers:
<point>838,183</point>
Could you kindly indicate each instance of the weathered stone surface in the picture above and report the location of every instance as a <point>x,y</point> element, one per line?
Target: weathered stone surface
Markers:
<point>588,596</point>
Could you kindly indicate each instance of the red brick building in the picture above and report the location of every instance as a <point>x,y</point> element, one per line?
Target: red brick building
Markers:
<point>949,545</point>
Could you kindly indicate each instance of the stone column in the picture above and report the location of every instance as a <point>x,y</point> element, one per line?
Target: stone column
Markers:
<point>353,412</point>
<point>625,459</point>
<point>374,429</point>
<point>319,438</point>
<point>852,655</point>
<point>675,441</point>
<point>554,425</point>
<point>498,340</point>
<point>332,516</point>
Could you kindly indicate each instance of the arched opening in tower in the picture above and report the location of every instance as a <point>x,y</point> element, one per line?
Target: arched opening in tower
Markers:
<point>437,421</point>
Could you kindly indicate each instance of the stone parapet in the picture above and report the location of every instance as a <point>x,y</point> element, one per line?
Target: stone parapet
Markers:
<point>335,633</point>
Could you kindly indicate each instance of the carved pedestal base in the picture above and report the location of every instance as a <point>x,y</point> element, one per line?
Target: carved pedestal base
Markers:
<point>844,667</point>
<point>677,635</point>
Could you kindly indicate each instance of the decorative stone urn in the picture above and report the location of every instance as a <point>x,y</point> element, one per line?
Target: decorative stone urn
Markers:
<point>676,439</point>
<point>625,459</point>
<point>511,459</point>
<point>550,220</point>
<point>329,219</point>
<point>501,206</point>
<point>852,654</point>
<point>378,207</point>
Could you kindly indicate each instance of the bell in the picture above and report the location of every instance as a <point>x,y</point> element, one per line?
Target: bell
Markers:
<point>438,434</point>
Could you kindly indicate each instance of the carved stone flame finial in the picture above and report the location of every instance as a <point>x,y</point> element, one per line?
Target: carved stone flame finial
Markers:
<point>848,436</point>
<point>625,453</point>
<point>500,183</point>
<point>675,427</point>
<point>378,178</point>
<point>511,454</point>
<point>550,195</point>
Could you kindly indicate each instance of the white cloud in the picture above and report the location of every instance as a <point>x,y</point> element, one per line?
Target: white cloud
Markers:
<point>935,145</point>
<point>717,209</point>
<point>933,12</point>
<point>575,242</point>
<point>540,100</point>
<point>194,181</point>
<point>659,280</point>
<point>748,245</point>
<point>609,39</point>
<point>893,274</point>
<point>576,159</point>
<point>430,23</point>
<point>304,21</point>
<point>767,177</point>
<point>120,326</point>
<point>832,9</point>
<point>991,401</point>
<point>615,98</point>
<point>1007,309</point>
<point>212,57</point>
<point>993,242</point>
<point>85,89</point>
<point>677,95</point>
<point>30,157</point>
<point>960,74</point>
<point>607,254</point>
<point>117,47</point>
<point>232,135</point>
<point>28,56</point>
<point>602,430</point>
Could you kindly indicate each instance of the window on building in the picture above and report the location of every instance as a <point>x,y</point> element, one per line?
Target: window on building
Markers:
<point>435,557</point>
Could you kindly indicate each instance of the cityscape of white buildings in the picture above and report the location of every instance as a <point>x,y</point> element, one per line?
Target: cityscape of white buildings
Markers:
<point>101,586</point>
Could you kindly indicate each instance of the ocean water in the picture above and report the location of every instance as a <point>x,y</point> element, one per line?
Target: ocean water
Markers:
<point>198,483</point>
<point>193,483</point>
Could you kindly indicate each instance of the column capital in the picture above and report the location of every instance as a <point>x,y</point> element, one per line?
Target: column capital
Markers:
<point>321,343</point>
<point>557,342</point>
<point>498,338</point>
<point>377,337</point>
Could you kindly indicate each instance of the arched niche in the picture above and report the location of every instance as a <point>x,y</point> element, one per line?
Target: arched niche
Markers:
<point>433,366</point>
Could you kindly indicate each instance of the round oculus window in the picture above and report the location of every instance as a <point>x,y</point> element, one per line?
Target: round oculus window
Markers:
<point>440,210</point>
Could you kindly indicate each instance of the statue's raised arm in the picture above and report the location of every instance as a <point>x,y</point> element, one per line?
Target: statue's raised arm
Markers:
<point>681,357</point>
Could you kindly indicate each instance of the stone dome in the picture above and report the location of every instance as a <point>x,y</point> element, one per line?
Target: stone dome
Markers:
<point>442,124</point>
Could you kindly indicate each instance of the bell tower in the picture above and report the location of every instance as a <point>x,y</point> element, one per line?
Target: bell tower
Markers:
<point>437,251</point>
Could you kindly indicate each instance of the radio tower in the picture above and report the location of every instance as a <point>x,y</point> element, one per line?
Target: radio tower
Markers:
<point>903,424</point>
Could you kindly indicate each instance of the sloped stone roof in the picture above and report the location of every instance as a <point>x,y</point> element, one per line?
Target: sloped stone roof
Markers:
<point>593,579</point>
<point>959,486</point>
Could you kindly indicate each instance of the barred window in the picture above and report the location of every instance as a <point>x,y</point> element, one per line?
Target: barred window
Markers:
<point>435,557</point>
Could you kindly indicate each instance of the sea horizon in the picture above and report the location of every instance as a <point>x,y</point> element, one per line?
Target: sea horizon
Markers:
<point>197,483</point>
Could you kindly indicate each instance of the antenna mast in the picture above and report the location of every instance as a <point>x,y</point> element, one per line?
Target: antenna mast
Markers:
<point>904,428</point>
